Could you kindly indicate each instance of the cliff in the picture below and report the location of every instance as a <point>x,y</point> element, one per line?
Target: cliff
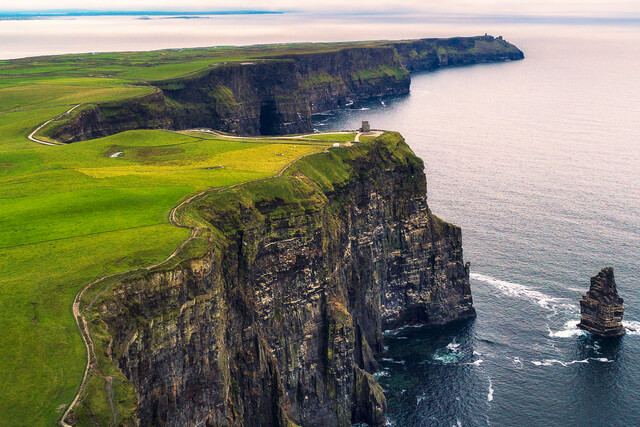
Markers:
<point>276,95</point>
<point>431,54</point>
<point>265,96</point>
<point>601,308</point>
<point>278,320</point>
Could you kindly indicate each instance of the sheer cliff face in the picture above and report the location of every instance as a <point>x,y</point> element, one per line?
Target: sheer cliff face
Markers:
<point>278,323</point>
<point>273,96</point>
<point>277,95</point>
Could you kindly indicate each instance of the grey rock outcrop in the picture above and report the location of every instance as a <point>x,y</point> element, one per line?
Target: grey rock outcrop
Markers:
<point>601,308</point>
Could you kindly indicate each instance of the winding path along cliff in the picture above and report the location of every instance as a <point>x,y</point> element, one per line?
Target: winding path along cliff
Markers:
<point>278,322</point>
<point>276,95</point>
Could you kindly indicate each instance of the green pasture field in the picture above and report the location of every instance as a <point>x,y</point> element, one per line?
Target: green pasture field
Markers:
<point>72,213</point>
<point>333,137</point>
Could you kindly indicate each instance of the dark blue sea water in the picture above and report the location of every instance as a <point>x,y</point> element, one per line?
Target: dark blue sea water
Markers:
<point>539,162</point>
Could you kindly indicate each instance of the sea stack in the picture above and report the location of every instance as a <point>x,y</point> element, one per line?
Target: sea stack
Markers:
<point>601,308</point>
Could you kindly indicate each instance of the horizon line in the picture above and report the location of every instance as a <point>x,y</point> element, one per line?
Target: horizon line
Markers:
<point>494,17</point>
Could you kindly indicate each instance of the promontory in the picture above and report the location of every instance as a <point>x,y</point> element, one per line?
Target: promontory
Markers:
<point>163,262</point>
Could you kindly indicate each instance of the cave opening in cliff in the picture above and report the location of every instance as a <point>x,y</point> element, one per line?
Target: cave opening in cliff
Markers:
<point>268,118</point>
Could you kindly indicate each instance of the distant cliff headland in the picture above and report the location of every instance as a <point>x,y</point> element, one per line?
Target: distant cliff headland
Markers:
<point>274,90</point>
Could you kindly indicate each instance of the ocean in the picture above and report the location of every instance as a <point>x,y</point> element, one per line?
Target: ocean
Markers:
<point>537,160</point>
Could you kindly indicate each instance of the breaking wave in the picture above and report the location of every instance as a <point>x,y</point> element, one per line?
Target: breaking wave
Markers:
<point>632,327</point>
<point>449,354</point>
<point>550,362</point>
<point>517,290</point>
<point>569,330</point>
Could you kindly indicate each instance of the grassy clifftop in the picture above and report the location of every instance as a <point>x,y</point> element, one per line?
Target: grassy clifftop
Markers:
<point>294,197</point>
<point>71,214</point>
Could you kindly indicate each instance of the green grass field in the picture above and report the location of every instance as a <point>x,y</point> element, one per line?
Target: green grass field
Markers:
<point>333,137</point>
<point>72,213</point>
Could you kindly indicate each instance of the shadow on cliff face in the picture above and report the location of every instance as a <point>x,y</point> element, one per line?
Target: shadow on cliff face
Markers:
<point>268,118</point>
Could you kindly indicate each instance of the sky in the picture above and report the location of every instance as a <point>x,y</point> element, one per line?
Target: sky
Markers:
<point>590,8</point>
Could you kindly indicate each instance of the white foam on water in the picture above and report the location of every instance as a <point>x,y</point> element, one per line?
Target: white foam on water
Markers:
<point>490,394</point>
<point>517,361</point>
<point>477,353</point>
<point>476,363</point>
<point>448,354</point>
<point>394,332</point>
<point>632,327</point>
<point>595,347</point>
<point>452,346</point>
<point>550,362</point>
<point>569,330</point>
<point>380,374</point>
<point>517,290</point>
<point>390,360</point>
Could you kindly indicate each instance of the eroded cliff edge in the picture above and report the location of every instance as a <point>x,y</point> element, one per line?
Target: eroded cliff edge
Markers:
<point>278,321</point>
<point>276,95</point>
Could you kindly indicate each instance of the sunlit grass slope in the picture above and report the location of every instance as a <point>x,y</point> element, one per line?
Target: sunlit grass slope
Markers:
<point>70,214</point>
<point>73,213</point>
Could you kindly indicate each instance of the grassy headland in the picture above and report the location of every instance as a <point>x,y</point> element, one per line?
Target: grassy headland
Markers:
<point>70,214</point>
<point>73,213</point>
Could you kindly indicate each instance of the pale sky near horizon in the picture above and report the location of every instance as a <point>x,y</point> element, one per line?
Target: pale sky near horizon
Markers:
<point>595,8</point>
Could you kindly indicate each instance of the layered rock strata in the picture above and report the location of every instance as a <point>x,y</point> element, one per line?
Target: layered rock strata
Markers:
<point>277,324</point>
<point>278,94</point>
<point>601,308</point>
